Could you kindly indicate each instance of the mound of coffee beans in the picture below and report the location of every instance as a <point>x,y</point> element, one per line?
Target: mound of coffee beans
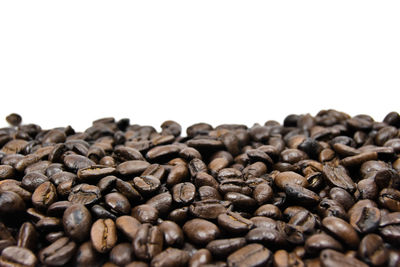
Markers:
<point>319,190</point>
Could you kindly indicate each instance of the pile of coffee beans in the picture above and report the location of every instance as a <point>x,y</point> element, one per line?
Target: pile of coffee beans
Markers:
<point>319,190</point>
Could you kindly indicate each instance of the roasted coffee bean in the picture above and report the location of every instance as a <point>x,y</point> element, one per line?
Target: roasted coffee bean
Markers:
<point>337,176</point>
<point>148,242</point>
<point>240,201</point>
<point>266,236</point>
<point>200,258</point>
<point>146,184</point>
<point>122,254</point>
<point>329,257</point>
<point>173,234</point>
<point>328,207</point>
<point>44,195</point>
<point>390,199</point>
<point>76,162</point>
<point>171,257</point>
<point>208,192</point>
<point>128,226</point>
<point>77,222</point>
<point>6,172</point>
<point>318,242</point>
<point>183,193</point>
<point>222,247</point>
<point>283,258</point>
<point>61,177</point>
<point>86,255</point>
<point>103,235</point>
<point>373,251</point>
<point>270,211</point>
<point>342,197</point>
<point>301,195</point>
<point>250,256</point>
<point>145,213</point>
<point>234,223</point>
<point>11,203</point>
<point>94,172</point>
<point>285,178</point>
<point>208,209</point>
<point>132,167</point>
<point>200,231</point>
<point>84,194</point>
<point>58,253</point>
<point>117,203</point>
<point>27,236</point>
<point>365,219</point>
<point>342,230</point>
<point>263,193</point>
<point>17,256</point>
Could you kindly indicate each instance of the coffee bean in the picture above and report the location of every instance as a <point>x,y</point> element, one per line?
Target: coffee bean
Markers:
<point>122,254</point>
<point>372,250</point>
<point>103,235</point>
<point>11,203</point>
<point>118,203</point>
<point>318,242</point>
<point>285,178</point>
<point>58,253</point>
<point>145,213</point>
<point>208,209</point>
<point>337,176</point>
<point>77,222</point>
<point>200,258</point>
<point>148,242</point>
<point>27,236</point>
<point>86,255</point>
<point>146,184</point>
<point>173,234</point>
<point>222,247</point>
<point>171,257</point>
<point>132,167</point>
<point>234,222</point>
<point>94,172</point>
<point>390,199</point>
<point>200,231</point>
<point>76,162</point>
<point>332,258</point>
<point>17,256</point>
<point>250,256</point>
<point>343,230</point>
<point>84,194</point>
<point>183,193</point>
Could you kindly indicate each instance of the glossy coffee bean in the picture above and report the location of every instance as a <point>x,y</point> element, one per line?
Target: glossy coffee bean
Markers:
<point>148,242</point>
<point>77,222</point>
<point>251,256</point>
<point>103,235</point>
<point>200,231</point>
<point>58,253</point>
<point>17,256</point>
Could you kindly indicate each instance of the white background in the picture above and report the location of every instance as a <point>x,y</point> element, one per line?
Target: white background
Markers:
<point>70,62</point>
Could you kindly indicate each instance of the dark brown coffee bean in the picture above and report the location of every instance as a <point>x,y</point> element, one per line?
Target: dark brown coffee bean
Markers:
<point>62,177</point>
<point>86,255</point>
<point>256,169</point>
<point>373,251</point>
<point>103,235</point>
<point>283,258</point>
<point>222,247</point>
<point>200,231</point>
<point>263,193</point>
<point>122,254</point>
<point>145,213</point>
<point>127,189</point>
<point>284,178</point>
<point>27,236</point>
<point>58,253</point>
<point>132,167</point>
<point>266,236</point>
<point>329,257</point>
<point>252,255</point>
<point>84,194</point>
<point>342,230</point>
<point>183,193</point>
<point>163,153</point>
<point>95,172</point>
<point>17,256</point>
<point>128,226</point>
<point>318,242</point>
<point>77,222</point>
<point>208,209</point>
<point>146,184</point>
<point>53,236</point>
<point>179,215</point>
<point>48,224</point>
<point>234,223</point>
<point>32,180</point>
<point>366,219</point>
<point>171,257</point>
<point>301,195</point>
<point>44,195</point>
<point>328,207</point>
<point>359,159</point>
<point>14,119</point>
<point>6,172</point>
<point>390,199</point>
<point>342,197</point>
<point>208,193</point>
<point>148,242</point>
<point>11,203</point>
<point>201,257</point>
<point>240,201</point>
<point>117,203</point>
<point>155,170</point>
<point>173,234</point>
<point>76,162</point>
<point>337,176</point>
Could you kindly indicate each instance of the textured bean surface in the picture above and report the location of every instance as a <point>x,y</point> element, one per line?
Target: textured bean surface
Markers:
<point>319,190</point>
